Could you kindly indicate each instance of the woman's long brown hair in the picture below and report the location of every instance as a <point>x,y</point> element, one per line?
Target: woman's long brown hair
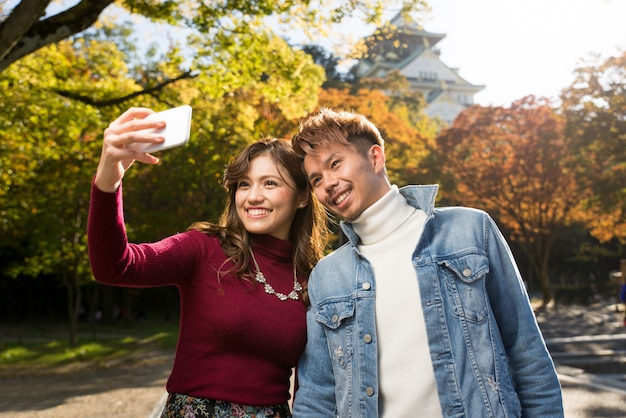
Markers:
<point>308,233</point>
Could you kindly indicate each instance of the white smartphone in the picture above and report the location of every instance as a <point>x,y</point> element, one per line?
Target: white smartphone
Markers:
<point>176,132</point>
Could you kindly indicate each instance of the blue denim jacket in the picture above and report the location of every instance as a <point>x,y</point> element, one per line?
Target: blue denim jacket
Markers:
<point>487,352</point>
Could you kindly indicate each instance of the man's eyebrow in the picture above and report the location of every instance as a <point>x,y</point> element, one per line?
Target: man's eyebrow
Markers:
<point>325,162</point>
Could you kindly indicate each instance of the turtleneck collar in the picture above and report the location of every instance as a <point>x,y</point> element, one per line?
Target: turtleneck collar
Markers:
<point>383,217</point>
<point>273,248</point>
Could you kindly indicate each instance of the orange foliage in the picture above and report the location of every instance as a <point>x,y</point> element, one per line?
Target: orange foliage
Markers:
<point>514,163</point>
<point>595,107</point>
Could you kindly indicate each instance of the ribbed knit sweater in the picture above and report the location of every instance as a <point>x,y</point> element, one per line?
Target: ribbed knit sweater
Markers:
<point>236,343</point>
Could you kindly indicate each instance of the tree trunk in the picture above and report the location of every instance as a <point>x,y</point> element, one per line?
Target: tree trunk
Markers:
<point>544,282</point>
<point>539,257</point>
<point>73,305</point>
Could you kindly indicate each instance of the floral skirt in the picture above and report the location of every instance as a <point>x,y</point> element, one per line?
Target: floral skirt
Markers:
<point>183,406</point>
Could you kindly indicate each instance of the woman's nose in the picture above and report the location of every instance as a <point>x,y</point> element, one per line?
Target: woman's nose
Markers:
<point>255,195</point>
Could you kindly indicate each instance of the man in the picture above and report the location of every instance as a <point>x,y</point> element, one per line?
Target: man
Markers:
<point>423,312</point>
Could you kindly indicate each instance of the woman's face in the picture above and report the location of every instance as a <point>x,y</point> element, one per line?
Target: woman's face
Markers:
<point>266,202</point>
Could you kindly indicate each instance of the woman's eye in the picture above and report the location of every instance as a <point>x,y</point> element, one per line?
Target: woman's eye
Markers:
<point>242,184</point>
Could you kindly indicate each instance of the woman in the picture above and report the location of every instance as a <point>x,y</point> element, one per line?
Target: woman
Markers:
<point>242,281</point>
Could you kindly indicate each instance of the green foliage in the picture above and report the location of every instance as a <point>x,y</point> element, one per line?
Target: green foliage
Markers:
<point>330,63</point>
<point>53,353</point>
<point>259,68</point>
<point>49,152</point>
<point>26,28</point>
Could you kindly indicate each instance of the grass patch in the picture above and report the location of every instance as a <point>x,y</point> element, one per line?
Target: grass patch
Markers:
<point>17,355</point>
<point>103,344</point>
<point>165,340</point>
<point>56,353</point>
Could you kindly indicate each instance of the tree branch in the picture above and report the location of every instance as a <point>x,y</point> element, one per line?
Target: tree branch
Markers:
<point>103,103</point>
<point>44,32</point>
<point>21,19</point>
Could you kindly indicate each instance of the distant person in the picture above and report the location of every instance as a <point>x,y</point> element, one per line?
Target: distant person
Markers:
<point>622,291</point>
<point>622,298</point>
<point>242,281</point>
<point>422,313</point>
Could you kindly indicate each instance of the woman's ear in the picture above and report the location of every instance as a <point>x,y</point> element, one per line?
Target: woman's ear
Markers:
<point>304,200</point>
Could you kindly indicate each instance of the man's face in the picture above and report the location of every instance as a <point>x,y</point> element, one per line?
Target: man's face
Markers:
<point>344,180</point>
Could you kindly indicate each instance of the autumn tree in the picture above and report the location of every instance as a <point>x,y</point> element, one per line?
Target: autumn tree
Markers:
<point>515,164</point>
<point>595,108</point>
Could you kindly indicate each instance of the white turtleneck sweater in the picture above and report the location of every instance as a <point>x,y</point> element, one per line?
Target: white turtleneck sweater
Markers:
<point>389,231</point>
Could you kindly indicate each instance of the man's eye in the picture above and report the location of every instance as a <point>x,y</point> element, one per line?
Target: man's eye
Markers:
<point>334,163</point>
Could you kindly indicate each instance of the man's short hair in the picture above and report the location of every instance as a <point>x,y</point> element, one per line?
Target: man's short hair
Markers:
<point>328,126</point>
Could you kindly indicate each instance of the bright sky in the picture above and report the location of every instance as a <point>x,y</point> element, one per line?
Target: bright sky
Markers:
<point>521,47</point>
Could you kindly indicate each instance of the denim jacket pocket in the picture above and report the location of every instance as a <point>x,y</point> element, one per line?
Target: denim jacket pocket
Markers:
<point>468,268</point>
<point>332,314</point>
<point>465,276</point>
<point>338,320</point>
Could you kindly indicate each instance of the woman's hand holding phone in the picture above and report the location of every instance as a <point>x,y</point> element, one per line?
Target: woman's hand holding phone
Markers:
<point>176,132</point>
<point>132,135</point>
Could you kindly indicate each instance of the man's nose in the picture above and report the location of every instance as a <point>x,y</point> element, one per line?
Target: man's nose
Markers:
<point>329,182</point>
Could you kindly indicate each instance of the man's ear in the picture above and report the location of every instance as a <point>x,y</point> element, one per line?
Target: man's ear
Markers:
<point>377,158</point>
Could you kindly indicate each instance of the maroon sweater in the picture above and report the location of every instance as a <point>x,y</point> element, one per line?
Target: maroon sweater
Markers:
<point>236,343</point>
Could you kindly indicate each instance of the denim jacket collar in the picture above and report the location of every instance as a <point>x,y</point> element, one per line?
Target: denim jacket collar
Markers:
<point>419,196</point>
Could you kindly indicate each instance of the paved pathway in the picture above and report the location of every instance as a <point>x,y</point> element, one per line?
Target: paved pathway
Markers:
<point>136,390</point>
<point>580,335</point>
